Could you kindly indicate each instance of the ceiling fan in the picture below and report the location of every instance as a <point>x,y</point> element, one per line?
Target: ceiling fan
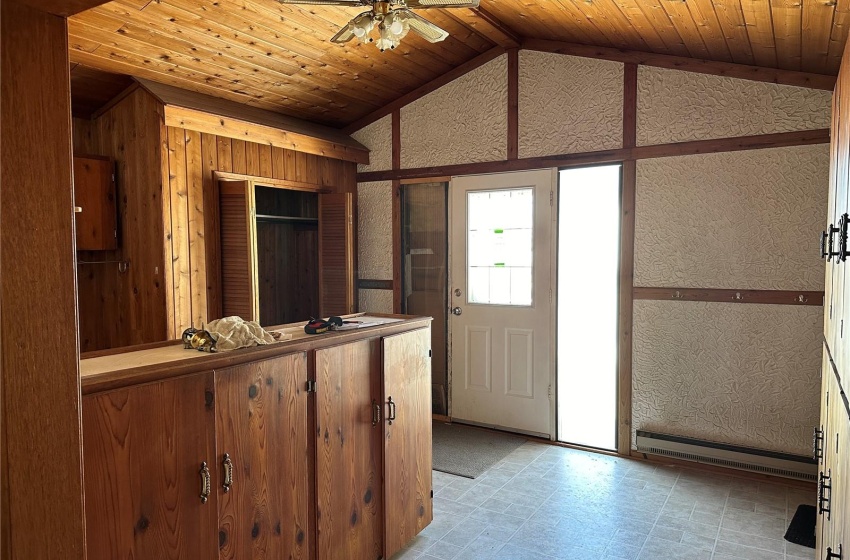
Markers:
<point>393,19</point>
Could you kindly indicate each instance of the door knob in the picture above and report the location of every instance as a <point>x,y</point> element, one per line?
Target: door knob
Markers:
<point>457,311</point>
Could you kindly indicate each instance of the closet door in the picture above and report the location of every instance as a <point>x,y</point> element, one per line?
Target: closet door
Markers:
<point>239,250</point>
<point>336,254</point>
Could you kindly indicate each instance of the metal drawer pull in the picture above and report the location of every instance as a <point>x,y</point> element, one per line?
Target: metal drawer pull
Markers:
<point>831,243</point>
<point>817,444</point>
<point>376,412</point>
<point>205,482</point>
<point>830,554</point>
<point>227,465</point>
<point>823,489</point>
<point>391,414</point>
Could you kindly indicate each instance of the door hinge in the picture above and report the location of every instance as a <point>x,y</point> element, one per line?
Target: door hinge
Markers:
<point>551,198</point>
<point>430,353</point>
<point>550,391</point>
<point>310,386</point>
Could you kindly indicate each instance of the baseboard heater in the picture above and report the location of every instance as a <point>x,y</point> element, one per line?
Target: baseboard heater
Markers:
<point>733,456</point>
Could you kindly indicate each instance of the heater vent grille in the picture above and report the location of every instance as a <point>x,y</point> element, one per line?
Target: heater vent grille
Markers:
<point>728,456</point>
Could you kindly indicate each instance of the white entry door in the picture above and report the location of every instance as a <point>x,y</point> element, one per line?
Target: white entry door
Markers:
<point>501,300</point>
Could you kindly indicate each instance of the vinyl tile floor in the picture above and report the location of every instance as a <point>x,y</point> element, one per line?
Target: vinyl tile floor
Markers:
<point>543,502</point>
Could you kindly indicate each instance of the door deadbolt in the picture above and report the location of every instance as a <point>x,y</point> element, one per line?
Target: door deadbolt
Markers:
<point>458,292</point>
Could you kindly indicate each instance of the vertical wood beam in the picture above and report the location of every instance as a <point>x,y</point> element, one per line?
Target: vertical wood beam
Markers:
<point>396,152</point>
<point>627,259</point>
<point>513,104</point>
<point>43,503</point>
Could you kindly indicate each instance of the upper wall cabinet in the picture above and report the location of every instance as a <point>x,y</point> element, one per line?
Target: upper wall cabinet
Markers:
<point>286,255</point>
<point>94,197</point>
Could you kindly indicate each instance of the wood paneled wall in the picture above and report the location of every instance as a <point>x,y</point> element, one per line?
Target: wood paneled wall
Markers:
<point>191,224</point>
<point>121,309</point>
<point>42,504</point>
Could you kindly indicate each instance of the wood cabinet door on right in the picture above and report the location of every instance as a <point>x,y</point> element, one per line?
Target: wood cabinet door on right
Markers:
<point>348,452</point>
<point>143,448</point>
<point>261,440</point>
<point>407,438</point>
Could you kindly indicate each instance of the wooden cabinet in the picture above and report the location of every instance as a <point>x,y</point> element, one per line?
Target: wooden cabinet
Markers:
<point>407,439</point>
<point>348,452</point>
<point>261,436</point>
<point>286,255</point>
<point>143,449</point>
<point>358,488</point>
<point>94,195</point>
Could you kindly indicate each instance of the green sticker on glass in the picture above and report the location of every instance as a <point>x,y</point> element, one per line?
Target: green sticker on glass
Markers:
<point>499,264</point>
<point>498,231</point>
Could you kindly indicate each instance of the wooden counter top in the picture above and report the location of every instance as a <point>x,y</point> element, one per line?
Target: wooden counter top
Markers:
<point>133,365</point>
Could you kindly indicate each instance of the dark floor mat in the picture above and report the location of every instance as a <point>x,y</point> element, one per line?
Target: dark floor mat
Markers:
<point>802,528</point>
<point>467,451</point>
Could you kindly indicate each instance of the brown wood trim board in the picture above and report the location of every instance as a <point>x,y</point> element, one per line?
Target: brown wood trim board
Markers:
<point>694,147</point>
<point>513,104</point>
<point>627,257</point>
<point>729,69</point>
<point>776,297</point>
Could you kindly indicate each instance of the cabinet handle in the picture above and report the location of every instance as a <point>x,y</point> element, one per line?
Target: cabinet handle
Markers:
<point>830,554</point>
<point>824,493</point>
<point>205,482</point>
<point>817,444</point>
<point>823,252</point>
<point>376,412</point>
<point>227,465</point>
<point>391,414</point>
<point>843,224</point>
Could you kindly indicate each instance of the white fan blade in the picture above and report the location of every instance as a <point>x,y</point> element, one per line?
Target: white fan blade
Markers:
<point>328,2</point>
<point>425,28</point>
<point>344,35</point>
<point>442,3</point>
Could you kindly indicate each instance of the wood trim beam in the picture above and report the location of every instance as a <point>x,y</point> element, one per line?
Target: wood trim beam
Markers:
<point>425,89</point>
<point>626,307</point>
<point>64,8</point>
<point>396,139</point>
<point>488,26</point>
<point>370,284</point>
<point>270,182</point>
<point>513,104</point>
<point>397,295</point>
<point>777,140</point>
<point>775,297</point>
<point>202,121</point>
<point>729,69</point>
<point>630,105</point>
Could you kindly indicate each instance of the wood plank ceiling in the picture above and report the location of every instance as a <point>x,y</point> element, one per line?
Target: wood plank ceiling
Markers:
<point>278,57</point>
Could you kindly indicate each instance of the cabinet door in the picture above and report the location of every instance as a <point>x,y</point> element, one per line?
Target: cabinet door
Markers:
<point>261,424</point>
<point>348,452</point>
<point>142,449</point>
<point>238,250</point>
<point>407,443</point>
<point>94,194</point>
<point>336,254</point>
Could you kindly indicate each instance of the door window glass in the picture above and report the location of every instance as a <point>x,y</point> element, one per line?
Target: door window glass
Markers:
<point>500,241</point>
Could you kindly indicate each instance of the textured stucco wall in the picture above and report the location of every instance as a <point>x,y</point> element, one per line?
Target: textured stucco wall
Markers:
<point>378,137</point>
<point>732,220</point>
<point>464,121</point>
<point>374,231</point>
<point>716,371</point>
<point>676,106</point>
<point>376,301</point>
<point>568,104</point>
